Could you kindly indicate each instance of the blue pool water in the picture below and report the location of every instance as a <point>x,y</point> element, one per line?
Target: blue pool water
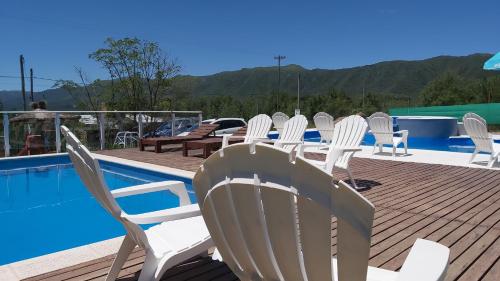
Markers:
<point>455,144</point>
<point>45,208</point>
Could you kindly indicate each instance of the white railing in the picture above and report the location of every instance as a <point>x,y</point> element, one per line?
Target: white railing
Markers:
<point>97,129</point>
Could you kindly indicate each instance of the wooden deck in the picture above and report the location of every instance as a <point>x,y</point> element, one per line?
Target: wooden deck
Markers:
<point>458,207</point>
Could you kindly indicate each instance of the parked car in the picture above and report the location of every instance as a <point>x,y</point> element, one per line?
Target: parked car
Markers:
<point>226,125</point>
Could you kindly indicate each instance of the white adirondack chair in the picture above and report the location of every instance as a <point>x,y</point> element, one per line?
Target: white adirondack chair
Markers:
<point>180,234</point>
<point>477,129</point>
<point>271,219</point>
<point>292,134</point>
<point>324,123</point>
<point>381,127</point>
<point>279,119</point>
<point>346,140</point>
<point>257,129</point>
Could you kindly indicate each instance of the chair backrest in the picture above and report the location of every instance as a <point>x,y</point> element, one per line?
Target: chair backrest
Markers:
<point>293,131</point>
<point>271,218</point>
<point>279,119</point>
<point>324,123</point>
<point>381,126</point>
<point>88,168</point>
<point>349,132</point>
<point>477,129</point>
<point>258,127</point>
<point>203,130</point>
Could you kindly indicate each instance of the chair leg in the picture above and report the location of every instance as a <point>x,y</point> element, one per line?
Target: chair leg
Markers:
<point>374,147</point>
<point>394,151</point>
<point>493,159</point>
<point>406,147</point>
<point>380,146</point>
<point>149,268</point>
<point>352,179</point>
<point>472,156</point>
<point>125,249</point>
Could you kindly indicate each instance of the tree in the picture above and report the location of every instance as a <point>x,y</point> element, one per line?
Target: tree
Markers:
<point>143,72</point>
<point>446,90</point>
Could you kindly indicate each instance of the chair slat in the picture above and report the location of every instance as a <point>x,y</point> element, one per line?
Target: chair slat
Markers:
<point>232,232</point>
<point>315,233</point>
<point>281,218</point>
<point>254,229</point>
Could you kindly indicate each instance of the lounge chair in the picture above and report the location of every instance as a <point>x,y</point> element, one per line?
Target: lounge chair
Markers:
<point>271,219</point>
<point>381,127</point>
<point>324,123</point>
<point>208,145</point>
<point>179,234</point>
<point>477,129</point>
<point>346,139</point>
<point>203,131</point>
<point>279,119</point>
<point>257,129</point>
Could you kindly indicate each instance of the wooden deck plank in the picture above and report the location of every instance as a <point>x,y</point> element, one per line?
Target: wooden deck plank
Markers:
<point>456,206</point>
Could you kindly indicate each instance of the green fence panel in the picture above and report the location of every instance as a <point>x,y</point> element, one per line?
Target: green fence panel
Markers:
<point>489,111</point>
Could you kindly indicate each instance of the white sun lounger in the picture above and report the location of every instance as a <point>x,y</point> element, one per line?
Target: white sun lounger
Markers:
<point>381,127</point>
<point>180,234</point>
<point>346,140</point>
<point>271,219</point>
<point>257,129</point>
<point>477,129</point>
<point>324,123</point>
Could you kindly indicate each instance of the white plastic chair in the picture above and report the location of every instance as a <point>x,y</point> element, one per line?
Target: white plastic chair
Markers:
<point>179,234</point>
<point>381,127</point>
<point>477,129</point>
<point>346,140</point>
<point>257,129</point>
<point>292,134</point>
<point>123,137</point>
<point>279,119</point>
<point>324,123</point>
<point>271,219</point>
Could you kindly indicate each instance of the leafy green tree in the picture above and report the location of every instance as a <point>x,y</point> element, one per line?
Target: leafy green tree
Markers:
<point>140,71</point>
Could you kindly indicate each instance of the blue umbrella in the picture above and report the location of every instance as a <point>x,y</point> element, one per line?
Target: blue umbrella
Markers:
<point>493,63</point>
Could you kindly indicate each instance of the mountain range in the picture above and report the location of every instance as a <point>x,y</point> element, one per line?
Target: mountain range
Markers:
<point>390,77</point>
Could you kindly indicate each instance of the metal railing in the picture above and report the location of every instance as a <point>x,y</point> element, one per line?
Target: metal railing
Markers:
<point>38,131</point>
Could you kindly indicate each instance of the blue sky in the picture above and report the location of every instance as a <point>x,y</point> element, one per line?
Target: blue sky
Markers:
<point>212,36</point>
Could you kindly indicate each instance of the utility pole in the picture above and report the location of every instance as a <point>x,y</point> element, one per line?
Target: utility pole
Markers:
<point>23,88</point>
<point>297,111</point>
<point>279,58</point>
<point>31,85</point>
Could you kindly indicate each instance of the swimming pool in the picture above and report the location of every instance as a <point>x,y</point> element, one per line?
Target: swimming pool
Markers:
<point>44,207</point>
<point>454,144</point>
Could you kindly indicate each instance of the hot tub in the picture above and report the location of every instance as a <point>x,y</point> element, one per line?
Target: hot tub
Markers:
<point>428,126</point>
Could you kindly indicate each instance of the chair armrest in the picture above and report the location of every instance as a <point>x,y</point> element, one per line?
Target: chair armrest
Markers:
<point>302,147</point>
<point>177,187</point>
<point>404,133</point>
<point>172,214</point>
<point>427,261</point>
<point>225,140</point>
<point>290,142</point>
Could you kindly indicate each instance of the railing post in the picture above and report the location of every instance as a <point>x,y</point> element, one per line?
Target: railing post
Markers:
<point>57,124</point>
<point>6,142</point>
<point>102,139</point>
<point>173,124</point>
<point>200,118</point>
<point>141,125</point>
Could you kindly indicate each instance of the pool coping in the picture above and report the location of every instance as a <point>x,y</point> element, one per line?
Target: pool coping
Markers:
<point>73,256</point>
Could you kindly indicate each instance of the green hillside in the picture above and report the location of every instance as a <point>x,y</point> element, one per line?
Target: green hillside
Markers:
<point>391,77</point>
<point>406,78</point>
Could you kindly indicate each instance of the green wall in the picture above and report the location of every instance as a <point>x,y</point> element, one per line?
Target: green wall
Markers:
<point>489,111</point>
